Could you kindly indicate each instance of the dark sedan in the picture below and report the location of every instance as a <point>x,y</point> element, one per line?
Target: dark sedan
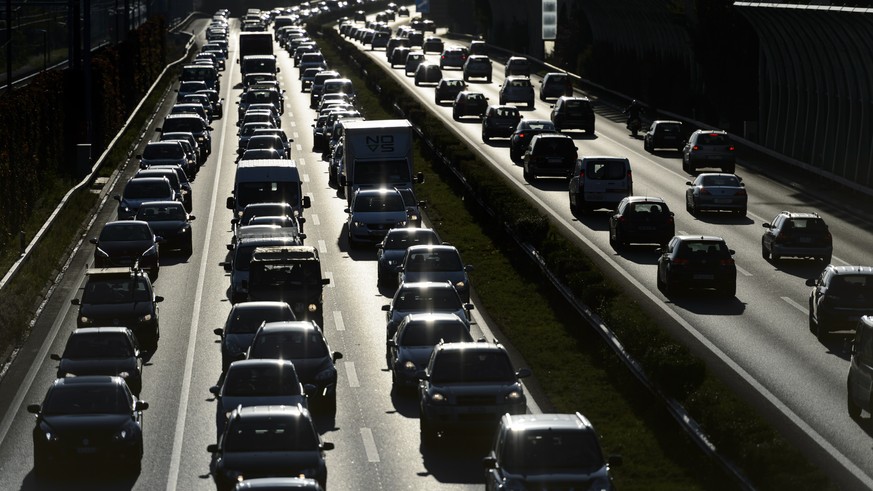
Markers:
<point>469,104</point>
<point>641,219</point>
<point>168,219</point>
<point>499,121</point>
<point>102,351</point>
<point>410,349</point>
<point>392,250</point>
<point>127,243</point>
<point>243,322</point>
<point>716,192</point>
<point>92,418</point>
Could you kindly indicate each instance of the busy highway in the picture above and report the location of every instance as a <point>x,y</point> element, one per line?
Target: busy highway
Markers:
<point>758,341</point>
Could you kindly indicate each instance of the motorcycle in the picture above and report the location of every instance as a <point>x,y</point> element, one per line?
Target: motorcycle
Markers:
<point>634,124</point>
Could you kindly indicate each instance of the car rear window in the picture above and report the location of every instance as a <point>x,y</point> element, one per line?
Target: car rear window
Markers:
<point>649,208</point>
<point>552,146</point>
<point>707,247</point>
<point>809,224</point>
<point>472,366</point>
<point>712,139</point>
<point>669,128</point>
<point>606,169</point>
<point>289,345</point>
<point>575,104</point>
<point>420,334</point>
<point>163,152</point>
<point>727,181</point>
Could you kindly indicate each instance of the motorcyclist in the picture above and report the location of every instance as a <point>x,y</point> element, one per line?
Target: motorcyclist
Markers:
<point>633,112</point>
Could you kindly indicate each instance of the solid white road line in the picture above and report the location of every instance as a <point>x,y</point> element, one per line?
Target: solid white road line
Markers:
<point>795,305</point>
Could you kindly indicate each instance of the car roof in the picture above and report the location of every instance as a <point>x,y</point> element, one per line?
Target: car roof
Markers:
<point>271,412</point>
<point>799,214</point>
<point>644,199</point>
<point>260,305</point>
<point>89,380</point>
<point>289,326</point>
<point>432,247</point>
<point>96,331</point>
<point>433,317</point>
<point>712,238</point>
<point>469,345</point>
<point>863,270</point>
<point>523,422</point>
<point>423,285</point>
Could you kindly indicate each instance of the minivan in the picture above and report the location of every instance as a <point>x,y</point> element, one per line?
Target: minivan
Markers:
<point>600,182</point>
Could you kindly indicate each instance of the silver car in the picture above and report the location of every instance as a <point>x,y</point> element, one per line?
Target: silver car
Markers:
<point>436,263</point>
<point>716,192</point>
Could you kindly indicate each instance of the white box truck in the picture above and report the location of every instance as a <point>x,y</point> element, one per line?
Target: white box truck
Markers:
<point>377,154</point>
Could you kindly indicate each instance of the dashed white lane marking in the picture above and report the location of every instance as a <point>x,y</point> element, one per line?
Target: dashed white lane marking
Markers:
<point>293,124</point>
<point>305,177</point>
<point>329,275</point>
<point>299,147</point>
<point>795,305</point>
<point>338,321</point>
<point>352,374</point>
<point>322,246</point>
<point>743,271</point>
<point>681,232</point>
<point>369,445</point>
<point>296,136</point>
<point>314,219</point>
<point>301,162</point>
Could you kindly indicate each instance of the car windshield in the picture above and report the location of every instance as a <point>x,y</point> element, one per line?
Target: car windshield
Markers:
<point>270,435</point>
<point>161,213</point>
<point>247,320</point>
<point>98,345</point>
<point>132,231</point>
<point>85,399</point>
<point>116,290</point>
<point>289,345</point>
<point>261,380</point>
<point>163,152</point>
<point>724,181</point>
<point>267,275</point>
<point>429,334</point>
<point>186,124</point>
<point>441,299</point>
<point>404,239</point>
<point>197,73</point>
<point>433,261</point>
<point>379,203</point>
<point>469,365</point>
<point>547,450</point>
<point>259,192</point>
<point>264,209</point>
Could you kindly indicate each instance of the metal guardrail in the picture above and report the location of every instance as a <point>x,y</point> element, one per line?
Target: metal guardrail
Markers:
<point>89,179</point>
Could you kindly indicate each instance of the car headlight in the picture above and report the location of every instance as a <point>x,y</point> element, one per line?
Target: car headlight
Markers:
<point>145,318</point>
<point>514,396</point>
<point>357,224</point>
<point>401,223</point>
<point>126,433</point>
<point>408,365</point>
<point>50,435</point>
<point>413,218</point>
<point>312,307</point>
<point>85,320</point>
<point>184,229</point>
<point>460,285</point>
<point>124,375</point>
<point>437,398</point>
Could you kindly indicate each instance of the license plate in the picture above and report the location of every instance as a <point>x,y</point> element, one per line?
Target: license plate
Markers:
<point>86,450</point>
<point>703,276</point>
<point>647,227</point>
<point>805,240</point>
<point>554,161</point>
<point>722,201</point>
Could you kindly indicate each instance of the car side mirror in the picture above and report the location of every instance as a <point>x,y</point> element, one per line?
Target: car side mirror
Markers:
<point>347,210</point>
<point>191,218</point>
<point>337,355</point>
<point>55,357</point>
<point>811,282</point>
<point>325,281</point>
<point>766,225</point>
<point>468,267</point>
<point>307,202</point>
<point>92,240</point>
<point>419,178</point>
<point>140,406</point>
<point>159,299</point>
<point>214,390</point>
<point>116,198</point>
<point>327,446</point>
<point>688,183</point>
<point>229,248</point>
<point>421,375</point>
<point>732,251</point>
<point>523,372</point>
<point>209,128</point>
<point>226,265</point>
<point>386,308</point>
<point>218,331</point>
<point>75,301</point>
<point>212,448</point>
<point>469,306</point>
<point>231,203</point>
<point>489,462</point>
<point>33,408</point>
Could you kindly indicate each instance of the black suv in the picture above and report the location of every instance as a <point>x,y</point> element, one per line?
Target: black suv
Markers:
<point>573,113</point>
<point>499,121</point>
<point>709,148</point>
<point>539,451</point>
<point>524,133</point>
<point>466,386</point>
<point>549,154</point>
<point>641,219</point>
<point>797,235</point>
<point>697,261</point>
<point>120,297</point>
<point>478,66</point>
<point>839,297</point>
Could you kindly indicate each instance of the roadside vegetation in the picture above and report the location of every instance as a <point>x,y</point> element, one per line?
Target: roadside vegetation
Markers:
<point>577,371</point>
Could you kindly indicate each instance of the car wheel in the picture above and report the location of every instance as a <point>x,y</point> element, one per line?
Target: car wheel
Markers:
<point>685,167</point>
<point>615,242</point>
<point>40,466</point>
<point>488,79</point>
<point>764,252</point>
<point>853,409</point>
<point>646,146</point>
<point>530,104</point>
<point>730,290</point>
<point>425,428</point>
<point>574,207</point>
<point>528,176</point>
<point>661,286</point>
<point>742,212</point>
<point>455,115</point>
<point>189,248</point>
<point>329,403</point>
<point>485,138</point>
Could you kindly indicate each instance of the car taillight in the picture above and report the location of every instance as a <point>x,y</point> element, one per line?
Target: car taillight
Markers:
<point>740,192</point>
<point>621,218</point>
<point>730,148</point>
<point>679,261</point>
<point>703,191</point>
<point>695,148</point>
<point>727,261</point>
<point>521,135</point>
<point>581,177</point>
